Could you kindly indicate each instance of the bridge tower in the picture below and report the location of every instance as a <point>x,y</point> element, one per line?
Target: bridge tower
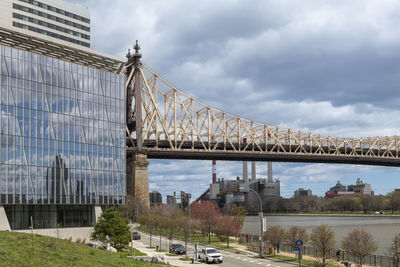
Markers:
<point>137,181</point>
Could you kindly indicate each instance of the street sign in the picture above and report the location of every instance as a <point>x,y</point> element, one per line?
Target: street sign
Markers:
<point>264,224</point>
<point>299,243</point>
<point>295,249</point>
<point>298,249</point>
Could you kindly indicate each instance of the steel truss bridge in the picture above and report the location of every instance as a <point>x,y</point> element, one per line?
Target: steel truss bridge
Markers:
<point>174,125</point>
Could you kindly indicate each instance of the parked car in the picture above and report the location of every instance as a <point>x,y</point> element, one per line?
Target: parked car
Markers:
<point>135,236</point>
<point>210,255</point>
<point>177,249</point>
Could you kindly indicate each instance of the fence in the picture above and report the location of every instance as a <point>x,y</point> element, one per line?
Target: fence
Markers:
<point>253,243</point>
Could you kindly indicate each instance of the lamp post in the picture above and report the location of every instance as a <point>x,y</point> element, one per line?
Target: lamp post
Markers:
<point>190,220</point>
<point>241,189</point>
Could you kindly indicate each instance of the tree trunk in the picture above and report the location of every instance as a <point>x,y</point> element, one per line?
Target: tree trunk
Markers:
<point>227,242</point>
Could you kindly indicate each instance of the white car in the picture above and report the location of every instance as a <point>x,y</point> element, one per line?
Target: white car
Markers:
<point>210,255</point>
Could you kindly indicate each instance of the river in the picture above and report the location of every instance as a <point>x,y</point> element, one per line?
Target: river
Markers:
<point>382,228</point>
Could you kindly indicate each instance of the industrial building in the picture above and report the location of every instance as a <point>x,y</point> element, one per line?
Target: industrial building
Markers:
<point>62,118</point>
<point>227,193</point>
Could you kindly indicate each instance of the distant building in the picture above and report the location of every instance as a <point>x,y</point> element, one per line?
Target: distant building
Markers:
<point>226,193</point>
<point>171,200</point>
<point>358,188</point>
<point>155,198</point>
<point>303,192</point>
<point>185,200</point>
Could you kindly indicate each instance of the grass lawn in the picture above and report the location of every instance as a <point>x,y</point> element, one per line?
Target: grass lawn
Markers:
<point>20,249</point>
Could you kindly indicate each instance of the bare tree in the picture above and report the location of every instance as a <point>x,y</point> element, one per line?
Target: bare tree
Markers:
<point>323,240</point>
<point>394,250</point>
<point>296,233</point>
<point>226,227</point>
<point>208,215</point>
<point>359,244</point>
<point>275,235</point>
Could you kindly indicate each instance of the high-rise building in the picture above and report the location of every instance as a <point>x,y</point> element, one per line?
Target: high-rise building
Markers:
<point>62,122</point>
<point>55,20</point>
<point>155,198</point>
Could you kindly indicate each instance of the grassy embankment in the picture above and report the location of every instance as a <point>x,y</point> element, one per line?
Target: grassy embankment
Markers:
<point>196,237</point>
<point>19,249</point>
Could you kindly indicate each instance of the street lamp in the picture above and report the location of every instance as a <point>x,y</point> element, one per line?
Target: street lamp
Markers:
<point>190,220</point>
<point>244,190</point>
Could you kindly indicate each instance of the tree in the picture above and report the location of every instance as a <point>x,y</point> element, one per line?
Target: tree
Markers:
<point>275,235</point>
<point>296,233</point>
<point>394,250</point>
<point>112,224</point>
<point>359,244</point>
<point>227,226</point>
<point>366,203</point>
<point>207,214</point>
<point>240,212</point>
<point>323,240</point>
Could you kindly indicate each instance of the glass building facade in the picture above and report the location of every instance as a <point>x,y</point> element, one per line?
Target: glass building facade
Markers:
<point>62,138</point>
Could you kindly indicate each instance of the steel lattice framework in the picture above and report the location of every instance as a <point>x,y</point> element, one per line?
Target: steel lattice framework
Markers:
<point>174,125</point>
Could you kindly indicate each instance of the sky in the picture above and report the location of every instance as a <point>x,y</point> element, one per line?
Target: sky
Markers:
<point>329,67</point>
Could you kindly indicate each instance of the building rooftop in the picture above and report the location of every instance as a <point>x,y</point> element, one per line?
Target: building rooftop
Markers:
<point>83,56</point>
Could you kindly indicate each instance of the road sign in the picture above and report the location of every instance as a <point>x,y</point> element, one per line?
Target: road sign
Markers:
<point>295,249</point>
<point>298,249</point>
<point>299,243</point>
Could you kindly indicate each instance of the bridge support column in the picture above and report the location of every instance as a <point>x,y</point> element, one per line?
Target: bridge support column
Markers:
<point>137,179</point>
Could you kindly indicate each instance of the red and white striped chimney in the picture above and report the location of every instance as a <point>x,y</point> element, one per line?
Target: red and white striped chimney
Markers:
<point>214,171</point>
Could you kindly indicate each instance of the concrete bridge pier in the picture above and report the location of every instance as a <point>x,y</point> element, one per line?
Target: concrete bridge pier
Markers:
<point>137,179</point>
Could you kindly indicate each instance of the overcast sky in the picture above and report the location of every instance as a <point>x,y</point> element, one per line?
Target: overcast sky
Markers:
<point>330,67</point>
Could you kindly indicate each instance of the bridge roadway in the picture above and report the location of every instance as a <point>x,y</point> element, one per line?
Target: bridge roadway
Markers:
<point>290,153</point>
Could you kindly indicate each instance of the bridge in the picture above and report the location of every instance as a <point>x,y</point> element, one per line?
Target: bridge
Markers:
<point>174,125</point>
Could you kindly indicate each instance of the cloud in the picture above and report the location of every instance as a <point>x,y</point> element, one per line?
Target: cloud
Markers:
<point>329,67</point>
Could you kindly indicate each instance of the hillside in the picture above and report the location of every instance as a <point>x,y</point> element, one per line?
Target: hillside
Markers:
<point>19,249</point>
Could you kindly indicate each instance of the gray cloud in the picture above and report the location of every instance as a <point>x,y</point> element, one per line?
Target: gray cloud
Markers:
<point>331,67</point>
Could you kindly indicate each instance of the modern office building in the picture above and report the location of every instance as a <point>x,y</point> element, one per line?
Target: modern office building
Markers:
<point>62,124</point>
<point>54,20</point>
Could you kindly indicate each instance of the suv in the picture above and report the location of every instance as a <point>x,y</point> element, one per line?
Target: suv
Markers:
<point>177,249</point>
<point>210,255</point>
<point>135,236</point>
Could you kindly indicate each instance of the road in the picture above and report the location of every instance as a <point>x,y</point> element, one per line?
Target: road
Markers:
<point>230,259</point>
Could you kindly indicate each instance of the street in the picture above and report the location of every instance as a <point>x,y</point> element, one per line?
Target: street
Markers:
<point>231,259</point>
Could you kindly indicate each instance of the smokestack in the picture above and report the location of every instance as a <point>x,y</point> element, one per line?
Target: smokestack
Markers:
<point>214,171</point>
<point>245,171</point>
<point>270,171</point>
<point>253,170</point>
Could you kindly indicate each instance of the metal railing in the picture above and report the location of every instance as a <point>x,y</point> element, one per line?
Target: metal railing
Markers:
<point>252,243</point>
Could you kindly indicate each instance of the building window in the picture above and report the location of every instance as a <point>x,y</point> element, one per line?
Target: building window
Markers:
<point>56,10</point>
<point>50,25</point>
<point>51,17</point>
<point>52,34</point>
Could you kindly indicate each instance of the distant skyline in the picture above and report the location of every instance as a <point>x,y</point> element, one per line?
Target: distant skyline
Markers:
<point>329,67</point>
